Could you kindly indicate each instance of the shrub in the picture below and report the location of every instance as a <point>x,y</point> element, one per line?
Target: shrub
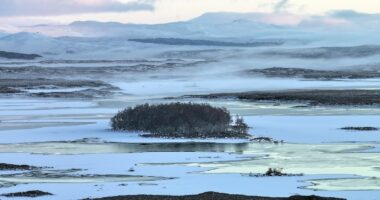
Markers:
<point>365,128</point>
<point>179,120</point>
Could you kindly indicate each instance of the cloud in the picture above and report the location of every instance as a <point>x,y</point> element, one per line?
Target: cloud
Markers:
<point>6,28</point>
<point>10,8</point>
<point>280,6</point>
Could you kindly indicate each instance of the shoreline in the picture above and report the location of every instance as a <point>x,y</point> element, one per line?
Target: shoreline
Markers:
<point>308,97</point>
<point>213,196</point>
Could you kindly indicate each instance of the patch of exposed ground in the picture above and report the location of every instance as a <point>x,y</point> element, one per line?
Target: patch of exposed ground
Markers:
<point>32,193</point>
<point>213,196</point>
<point>114,69</point>
<point>12,167</point>
<point>279,72</point>
<point>311,97</point>
<point>82,94</point>
<point>56,88</point>
<point>41,83</point>
<point>14,55</point>
<point>8,90</point>
<point>326,52</point>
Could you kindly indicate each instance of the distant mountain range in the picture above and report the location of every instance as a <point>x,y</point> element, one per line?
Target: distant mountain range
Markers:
<point>207,25</point>
<point>209,30</point>
<point>237,25</point>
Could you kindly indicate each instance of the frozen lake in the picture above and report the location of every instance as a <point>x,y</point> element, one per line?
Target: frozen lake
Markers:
<point>47,132</point>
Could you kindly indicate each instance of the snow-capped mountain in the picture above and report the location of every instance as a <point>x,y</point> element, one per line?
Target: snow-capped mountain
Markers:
<point>25,42</point>
<point>29,42</point>
<point>208,25</point>
<point>217,28</point>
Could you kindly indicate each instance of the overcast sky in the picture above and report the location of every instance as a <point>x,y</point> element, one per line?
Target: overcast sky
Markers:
<point>28,12</point>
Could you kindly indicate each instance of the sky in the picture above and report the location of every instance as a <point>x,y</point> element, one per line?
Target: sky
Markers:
<point>31,12</point>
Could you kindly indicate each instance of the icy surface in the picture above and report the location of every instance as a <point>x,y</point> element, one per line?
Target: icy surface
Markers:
<point>50,133</point>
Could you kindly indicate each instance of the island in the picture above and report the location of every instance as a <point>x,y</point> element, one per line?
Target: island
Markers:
<point>180,120</point>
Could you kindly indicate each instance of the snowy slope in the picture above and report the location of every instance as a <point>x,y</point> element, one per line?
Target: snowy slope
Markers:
<point>29,43</point>
<point>242,26</point>
<point>25,42</point>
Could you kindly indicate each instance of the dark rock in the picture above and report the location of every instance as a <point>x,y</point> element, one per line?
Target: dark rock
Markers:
<point>273,172</point>
<point>265,140</point>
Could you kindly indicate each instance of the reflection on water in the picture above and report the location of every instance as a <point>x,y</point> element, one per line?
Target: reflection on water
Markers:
<point>341,158</point>
<point>85,147</point>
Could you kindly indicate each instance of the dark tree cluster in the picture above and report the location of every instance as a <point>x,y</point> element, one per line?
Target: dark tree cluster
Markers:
<point>185,120</point>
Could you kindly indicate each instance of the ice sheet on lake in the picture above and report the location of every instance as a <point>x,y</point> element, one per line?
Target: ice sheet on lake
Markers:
<point>346,184</point>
